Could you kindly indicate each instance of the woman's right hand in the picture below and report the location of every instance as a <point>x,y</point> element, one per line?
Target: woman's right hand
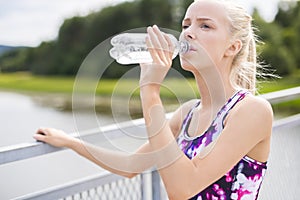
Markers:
<point>54,137</point>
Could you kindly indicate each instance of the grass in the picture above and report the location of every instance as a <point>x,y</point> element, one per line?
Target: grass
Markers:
<point>29,83</point>
<point>26,82</point>
<point>172,87</point>
<point>287,108</point>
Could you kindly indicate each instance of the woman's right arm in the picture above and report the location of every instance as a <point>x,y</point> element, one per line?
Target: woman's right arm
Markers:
<point>124,164</point>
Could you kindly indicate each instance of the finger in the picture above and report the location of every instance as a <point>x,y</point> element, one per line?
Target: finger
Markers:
<point>42,131</point>
<point>157,46</point>
<point>171,46</point>
<point>39,137</point>
<point>162,44</point>
<point>165,44</point>
<point>151,49</point>
<point>160,36</point>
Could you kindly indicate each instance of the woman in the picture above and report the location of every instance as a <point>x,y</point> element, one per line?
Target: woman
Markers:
<point>223,141</point>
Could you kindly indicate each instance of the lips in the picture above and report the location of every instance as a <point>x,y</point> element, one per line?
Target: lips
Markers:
<point>192,49</point>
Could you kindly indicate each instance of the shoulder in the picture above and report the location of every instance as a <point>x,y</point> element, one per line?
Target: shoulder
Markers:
<point>179,115</point>
<point>255,105</point>
<point>253,112</point>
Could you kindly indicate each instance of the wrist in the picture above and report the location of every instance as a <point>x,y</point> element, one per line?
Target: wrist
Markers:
<point>73,143</point>
<point>152,74</point>
<point>150,91</point>
<point>150,88</point>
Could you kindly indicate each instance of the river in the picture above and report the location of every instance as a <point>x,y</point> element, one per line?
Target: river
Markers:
<point>21,115</point>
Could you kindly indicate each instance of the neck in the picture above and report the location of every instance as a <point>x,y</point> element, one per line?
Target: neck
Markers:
<point>214,87</point>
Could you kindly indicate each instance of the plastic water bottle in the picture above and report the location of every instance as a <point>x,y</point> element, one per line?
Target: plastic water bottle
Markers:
<point>130,48</point>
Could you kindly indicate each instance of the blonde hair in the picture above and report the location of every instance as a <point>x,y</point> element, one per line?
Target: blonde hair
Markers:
<point>244,67</point>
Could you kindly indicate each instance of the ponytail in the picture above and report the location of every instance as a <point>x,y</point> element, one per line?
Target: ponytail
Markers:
<point>244,66</point>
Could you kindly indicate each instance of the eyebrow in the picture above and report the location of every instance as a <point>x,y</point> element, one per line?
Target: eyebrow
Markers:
<point>199,18</point>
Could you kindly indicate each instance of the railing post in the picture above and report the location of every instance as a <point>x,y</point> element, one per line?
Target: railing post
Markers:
<point>143,186</point>
<point>156,190</point>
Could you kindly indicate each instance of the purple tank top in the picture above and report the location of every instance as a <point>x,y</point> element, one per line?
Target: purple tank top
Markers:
<point>241,182</point>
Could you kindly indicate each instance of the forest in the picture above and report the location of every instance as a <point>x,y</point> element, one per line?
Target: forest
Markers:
<point>78,35</point>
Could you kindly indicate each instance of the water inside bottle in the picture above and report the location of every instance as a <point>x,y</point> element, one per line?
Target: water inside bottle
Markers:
<point>135,58</point>
<point>131,48</point>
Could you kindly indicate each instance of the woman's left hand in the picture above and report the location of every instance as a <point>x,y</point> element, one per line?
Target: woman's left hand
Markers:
<point>161,49</point>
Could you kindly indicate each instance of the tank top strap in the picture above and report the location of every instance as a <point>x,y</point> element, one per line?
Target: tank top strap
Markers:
<point>219,118</point>
<point>189,115</point>
<point>237,97</point>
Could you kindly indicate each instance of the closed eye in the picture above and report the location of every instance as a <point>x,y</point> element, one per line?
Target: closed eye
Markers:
<point>185,27</point>
<point>205,26</point>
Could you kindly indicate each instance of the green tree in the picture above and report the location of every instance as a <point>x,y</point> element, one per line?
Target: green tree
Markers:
<point>274,52</point>
<point>69,49</point>
<point>287,12</point>
<point>43,59</point>
<point>288,18</point>
<point>14,60</point>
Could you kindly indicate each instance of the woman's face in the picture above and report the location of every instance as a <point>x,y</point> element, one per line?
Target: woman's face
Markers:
<point>206,28</point>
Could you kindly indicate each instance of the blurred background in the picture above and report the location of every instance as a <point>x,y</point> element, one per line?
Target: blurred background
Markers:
<point>43,44</point>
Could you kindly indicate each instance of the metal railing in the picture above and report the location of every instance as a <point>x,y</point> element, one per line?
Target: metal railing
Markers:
<point>101,186</point>
<point>110,186</point>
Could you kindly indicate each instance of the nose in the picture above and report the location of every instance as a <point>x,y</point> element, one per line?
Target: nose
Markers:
<point>189,34</point>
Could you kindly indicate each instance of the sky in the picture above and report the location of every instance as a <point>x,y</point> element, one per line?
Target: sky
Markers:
<point>29,22</point>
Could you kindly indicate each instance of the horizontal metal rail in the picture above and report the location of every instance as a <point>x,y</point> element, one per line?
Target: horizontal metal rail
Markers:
<point>29,150</point>
<point>288,121</point>
<point>282,95</point>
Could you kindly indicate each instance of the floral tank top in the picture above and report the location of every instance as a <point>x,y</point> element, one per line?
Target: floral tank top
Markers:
<point>243,181</point>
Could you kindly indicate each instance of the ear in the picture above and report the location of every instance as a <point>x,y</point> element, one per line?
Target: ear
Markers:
<point>234,48</point>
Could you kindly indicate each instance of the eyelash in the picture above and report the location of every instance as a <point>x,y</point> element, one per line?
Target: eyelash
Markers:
<point>204,26</point>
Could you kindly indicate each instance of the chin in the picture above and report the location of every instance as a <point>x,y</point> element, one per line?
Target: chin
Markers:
<point>191,65</point>
<point>186,63</point>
